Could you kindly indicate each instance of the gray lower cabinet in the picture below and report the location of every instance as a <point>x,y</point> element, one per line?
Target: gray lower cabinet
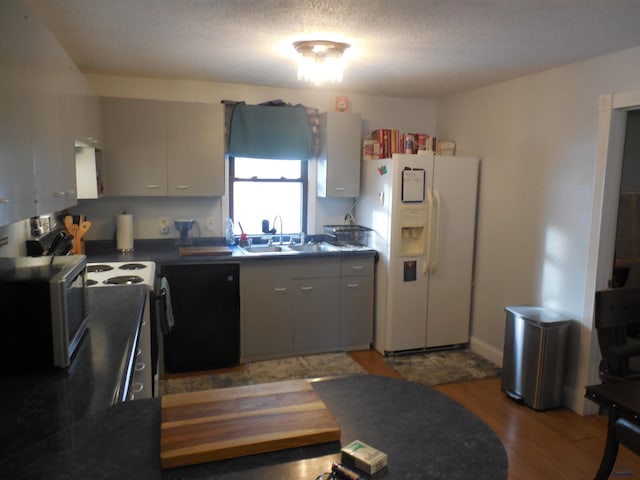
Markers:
<point>356,302</point>
<point>316,322</point>
<point>302,306</point>
<point>266,327</point>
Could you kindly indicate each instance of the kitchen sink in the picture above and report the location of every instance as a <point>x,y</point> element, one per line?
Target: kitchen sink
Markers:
<point>289,249</point>
<point>313,247</point>
<point>263,249</point>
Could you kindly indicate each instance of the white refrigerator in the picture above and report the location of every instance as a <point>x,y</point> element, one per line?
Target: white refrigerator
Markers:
<point>422,210</point>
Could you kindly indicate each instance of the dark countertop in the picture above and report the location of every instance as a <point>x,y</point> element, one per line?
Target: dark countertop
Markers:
<point>425,434</point>
<point>163,251</point>
<point>37,405</point>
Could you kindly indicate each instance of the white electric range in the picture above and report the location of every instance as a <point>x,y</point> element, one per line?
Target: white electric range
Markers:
<point>105,274</point>
<point>109,274</point>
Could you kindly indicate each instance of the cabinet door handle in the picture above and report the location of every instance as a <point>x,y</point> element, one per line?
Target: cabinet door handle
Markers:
<point>4,200</point>
<point>70,192</point>
<point>353,285</point>
<point>59,194</point>
<point>182,187</point>
<point>339,189</point>
<point>306,288</point>
<point>357,267</point>
<point>153,186</point>
<point>280,289</point>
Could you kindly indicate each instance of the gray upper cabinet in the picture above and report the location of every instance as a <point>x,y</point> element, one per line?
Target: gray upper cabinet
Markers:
<point>339,158</point>
<point>54,98</point>
<point>88,119</point>
<point>195,149</point>
<point>16,159</point>
<point>40,94</point>
<point>161,148</point>
<point>134,150</point>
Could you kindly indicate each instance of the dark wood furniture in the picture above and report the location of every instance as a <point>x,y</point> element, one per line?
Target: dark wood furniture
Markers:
<point>622,402</point>
<point>617,321</point>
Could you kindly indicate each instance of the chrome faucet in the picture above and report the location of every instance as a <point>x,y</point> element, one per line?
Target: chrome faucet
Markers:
<point>274,223</point>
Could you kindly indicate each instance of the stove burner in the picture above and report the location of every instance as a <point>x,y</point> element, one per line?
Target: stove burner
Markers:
<point>124,280</point>
<point>132,266</point>
<point>91,282</point>
<point>98,268</point>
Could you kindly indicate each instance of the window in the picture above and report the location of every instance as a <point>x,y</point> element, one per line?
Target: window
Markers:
<point>260,189</point>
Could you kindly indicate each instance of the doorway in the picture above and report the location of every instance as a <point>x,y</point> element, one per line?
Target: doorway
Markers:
<point>612,121</point>
<point>626,268</point>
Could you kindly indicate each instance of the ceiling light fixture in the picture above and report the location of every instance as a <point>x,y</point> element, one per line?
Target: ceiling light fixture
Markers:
<point>320,61</point>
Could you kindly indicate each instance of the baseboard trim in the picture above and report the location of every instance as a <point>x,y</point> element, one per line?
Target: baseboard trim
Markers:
<point>575,400</point>
<point>485,350</point>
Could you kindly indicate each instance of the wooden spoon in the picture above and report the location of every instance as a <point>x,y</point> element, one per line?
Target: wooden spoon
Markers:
<point>74,234</point>
<point>80,231</point>
<point>68,223</point>
<point>83,228</point>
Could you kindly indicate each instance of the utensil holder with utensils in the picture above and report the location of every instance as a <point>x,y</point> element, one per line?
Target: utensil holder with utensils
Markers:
<point>77,226</point>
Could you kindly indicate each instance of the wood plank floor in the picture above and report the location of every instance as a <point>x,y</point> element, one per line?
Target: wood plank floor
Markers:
<point>555,444</point>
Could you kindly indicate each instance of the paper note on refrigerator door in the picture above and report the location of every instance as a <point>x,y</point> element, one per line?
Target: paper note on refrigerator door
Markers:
<point>413,185</point>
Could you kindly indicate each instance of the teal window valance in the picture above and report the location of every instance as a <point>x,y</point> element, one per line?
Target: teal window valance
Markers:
<point>272,131</point>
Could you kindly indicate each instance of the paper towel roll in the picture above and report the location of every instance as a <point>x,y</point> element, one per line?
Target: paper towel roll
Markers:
<point>124,232</point>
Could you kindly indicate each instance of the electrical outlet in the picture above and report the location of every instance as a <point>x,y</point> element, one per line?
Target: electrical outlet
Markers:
<point>211,224</point>
<point>165,227</point>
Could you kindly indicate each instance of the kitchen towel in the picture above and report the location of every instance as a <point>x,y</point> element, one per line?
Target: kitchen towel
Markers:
<point>168,321</point>
<point>124,232</point>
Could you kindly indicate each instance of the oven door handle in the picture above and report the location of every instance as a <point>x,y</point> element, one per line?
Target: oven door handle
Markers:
<point>161,307</point>
<point>165,315</point>
<point>161,296</point>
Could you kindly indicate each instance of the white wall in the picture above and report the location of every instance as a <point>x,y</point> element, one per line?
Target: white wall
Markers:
<point>377,112</point>
<point>536,136</point>
<point>16,233</point>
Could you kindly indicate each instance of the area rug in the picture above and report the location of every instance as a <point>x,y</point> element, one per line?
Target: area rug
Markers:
<point>446,366</point>
<point>292,368</point>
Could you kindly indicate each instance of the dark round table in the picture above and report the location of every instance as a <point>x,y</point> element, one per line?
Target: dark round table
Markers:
<point>425,434</point>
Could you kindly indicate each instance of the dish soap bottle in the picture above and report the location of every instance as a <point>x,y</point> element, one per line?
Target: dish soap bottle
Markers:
<point>229,233</point>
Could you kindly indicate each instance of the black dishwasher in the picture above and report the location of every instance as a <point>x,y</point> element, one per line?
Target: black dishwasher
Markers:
<point>205,302</point>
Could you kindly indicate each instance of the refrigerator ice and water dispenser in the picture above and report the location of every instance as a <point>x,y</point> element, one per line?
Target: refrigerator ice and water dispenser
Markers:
<point>412,231</point>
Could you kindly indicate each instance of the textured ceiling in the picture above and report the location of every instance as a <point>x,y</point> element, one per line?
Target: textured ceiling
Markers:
<point>409,48</point>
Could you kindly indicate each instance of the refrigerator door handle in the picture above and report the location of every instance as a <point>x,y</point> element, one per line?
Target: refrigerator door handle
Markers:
<point>427,250</point>
<point>436,255</point>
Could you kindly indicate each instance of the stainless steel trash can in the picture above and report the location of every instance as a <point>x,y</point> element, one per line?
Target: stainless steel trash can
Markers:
<point>533,359</point>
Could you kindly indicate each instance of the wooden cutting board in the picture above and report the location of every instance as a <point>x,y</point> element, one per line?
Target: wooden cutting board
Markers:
<point>210,425</point>
<point>193,251</point>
